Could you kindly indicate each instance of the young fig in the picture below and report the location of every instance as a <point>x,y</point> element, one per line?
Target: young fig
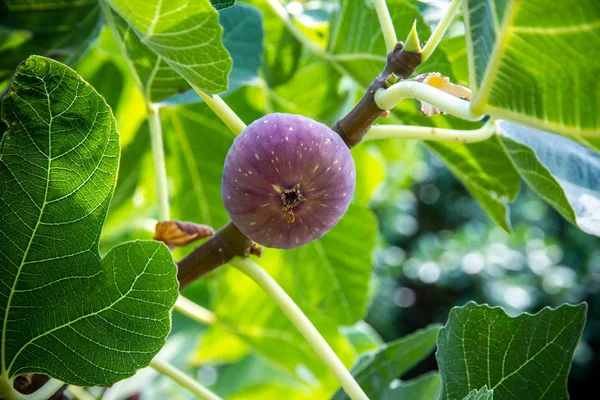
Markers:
<point>287,180</point>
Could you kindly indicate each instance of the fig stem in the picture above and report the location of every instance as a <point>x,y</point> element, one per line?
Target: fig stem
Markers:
<point>158,158</point>
<point>387,26</point>
<point>227,243</point>
<point>183,379</point>
<point>195,311</point>
<point>440,30</point>
<point>223,111</point>
<point>302,323</point>
<point>431,133</point>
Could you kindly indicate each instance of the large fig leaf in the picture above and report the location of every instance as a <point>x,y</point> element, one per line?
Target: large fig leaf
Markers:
<point>64,311</point>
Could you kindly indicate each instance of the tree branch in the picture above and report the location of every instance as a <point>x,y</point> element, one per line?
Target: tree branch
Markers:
<point>227,243</point>
<point>355,124</point>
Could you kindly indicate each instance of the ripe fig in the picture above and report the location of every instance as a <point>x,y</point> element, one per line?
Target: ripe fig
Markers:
<point>287,180</point>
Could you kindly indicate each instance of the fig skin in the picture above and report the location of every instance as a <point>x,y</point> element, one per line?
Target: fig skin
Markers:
<point>287,180</point>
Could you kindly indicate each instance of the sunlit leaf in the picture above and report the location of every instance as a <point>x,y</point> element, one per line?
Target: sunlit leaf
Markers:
<point>58,165</point>
<point>243,38</point>
<point>167,41</point>
<point>508,41</point>
<point>528,356</point>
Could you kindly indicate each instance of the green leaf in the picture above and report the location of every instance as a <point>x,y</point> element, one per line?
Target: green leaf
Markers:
<point>282,51</point>
<point>425,387</point>
<point>525,357</point>
<point>375,371</point>
<point>220,346</point>
<point>320,103</point>
<point>61,29</point>
<point>563,172</point>
<point>243,37</point>
<point>221,4</point>
<point>509,41</point>
<point>167,41</point>
<point>63,311</point>
<point>487,172</point>
<point>481,394</point>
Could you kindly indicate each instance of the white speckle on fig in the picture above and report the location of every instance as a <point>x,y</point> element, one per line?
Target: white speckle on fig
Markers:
<point>289,200</point>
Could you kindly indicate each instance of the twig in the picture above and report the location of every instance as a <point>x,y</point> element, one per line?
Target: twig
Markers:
<point>355,124</point>
<point>227,243</point>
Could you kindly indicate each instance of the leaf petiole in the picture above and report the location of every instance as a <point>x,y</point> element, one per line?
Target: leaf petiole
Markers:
<point>183,379</point>
<point>440,30</point>
<point>431,133</point>
<point>302,323</point>
<point>195,311</point>
<point>386,99</point>
<point>387,26</point>
<point>160,167</point>
<point>43,393</point>
<point>223,111</point>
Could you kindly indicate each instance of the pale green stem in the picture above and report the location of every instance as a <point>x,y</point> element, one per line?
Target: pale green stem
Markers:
<point>386,99</point>
<point>295,30</point>
<point>387,26</point>
<point>160,167</point>
<point>183,379</point>
<point>431,134</point>
<point>43,393</point>
<point>440,30</point>
<point>80,393</point>
<point>223,111</point>
<point>302,323</point>
<point>195,311</point>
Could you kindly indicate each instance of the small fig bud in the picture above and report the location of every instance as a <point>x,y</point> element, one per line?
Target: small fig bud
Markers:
<point>287,180</point>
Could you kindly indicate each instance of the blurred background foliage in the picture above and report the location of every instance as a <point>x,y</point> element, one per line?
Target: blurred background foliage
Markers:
<point>414,244</point>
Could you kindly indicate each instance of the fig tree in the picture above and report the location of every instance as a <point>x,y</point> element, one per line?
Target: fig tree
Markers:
<point>287,180</point>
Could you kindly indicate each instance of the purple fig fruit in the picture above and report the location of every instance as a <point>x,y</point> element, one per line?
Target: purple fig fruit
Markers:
<point>287,180</point>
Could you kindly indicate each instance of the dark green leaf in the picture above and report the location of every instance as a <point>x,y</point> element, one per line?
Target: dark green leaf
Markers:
<point>60,29</point>
<point>525,357</point>
<point>221,4</point>
<point>63,311</point>
<point>375,371</point>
